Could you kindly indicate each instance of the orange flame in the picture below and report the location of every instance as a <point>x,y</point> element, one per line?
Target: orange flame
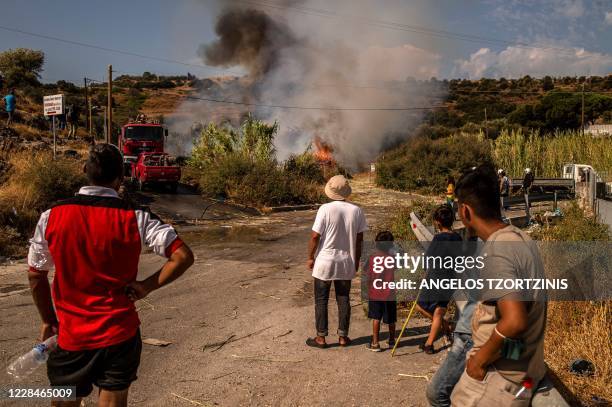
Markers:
<point>324,151</point>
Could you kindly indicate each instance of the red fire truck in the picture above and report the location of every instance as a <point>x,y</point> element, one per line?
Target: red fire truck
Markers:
<point>138,139</point>
<point>141,136</point>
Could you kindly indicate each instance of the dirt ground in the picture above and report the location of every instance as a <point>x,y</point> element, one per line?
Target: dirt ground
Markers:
<point>237,322</point>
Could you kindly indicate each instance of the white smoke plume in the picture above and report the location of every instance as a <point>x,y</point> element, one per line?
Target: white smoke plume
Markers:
<point>291,62</point>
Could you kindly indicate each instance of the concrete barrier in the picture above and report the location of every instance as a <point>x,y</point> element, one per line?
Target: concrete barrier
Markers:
<point>604,212</point>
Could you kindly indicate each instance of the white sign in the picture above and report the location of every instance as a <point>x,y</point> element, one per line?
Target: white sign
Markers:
<point>53,105</point>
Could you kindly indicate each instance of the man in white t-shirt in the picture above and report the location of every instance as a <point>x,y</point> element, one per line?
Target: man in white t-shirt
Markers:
<point>334,251</point>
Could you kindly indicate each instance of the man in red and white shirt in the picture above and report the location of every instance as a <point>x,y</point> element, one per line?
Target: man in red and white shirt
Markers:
<point>94,241</point>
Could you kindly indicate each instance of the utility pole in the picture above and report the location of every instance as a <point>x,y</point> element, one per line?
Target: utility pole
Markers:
<point>582,118</point>
<point>86,106</point>
<point>109,107</point>
<point>90,116</point>
<point>486,124</point>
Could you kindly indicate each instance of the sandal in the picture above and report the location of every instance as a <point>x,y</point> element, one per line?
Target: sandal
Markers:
<point>314,344</point>
<point>373,348</point>
<point>428,349</point>
<point>347,341</point>
<point>391,344</point>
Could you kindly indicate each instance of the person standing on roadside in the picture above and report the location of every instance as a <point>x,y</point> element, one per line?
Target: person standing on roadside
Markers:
<point>450,192</point>
<point>506,362</point>
<point>334,251</point>
<point>72,118</point>
<point>94,241</point>
<point>526,186</point>
<point>382,305</point>
<point>504,187</point>
<point>10,102</point>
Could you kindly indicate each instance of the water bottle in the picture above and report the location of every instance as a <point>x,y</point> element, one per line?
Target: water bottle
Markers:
<point>28,363</point>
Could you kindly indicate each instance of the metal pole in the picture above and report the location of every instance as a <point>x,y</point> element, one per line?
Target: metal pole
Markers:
<point>109,108</point>
<point>54,140</point>
<point>397,341</point>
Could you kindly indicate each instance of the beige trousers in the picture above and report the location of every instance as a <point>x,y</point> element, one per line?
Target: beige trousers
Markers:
<point>494,390</point>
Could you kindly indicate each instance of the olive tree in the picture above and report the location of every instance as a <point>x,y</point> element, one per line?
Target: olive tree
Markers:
<point>21,66</point>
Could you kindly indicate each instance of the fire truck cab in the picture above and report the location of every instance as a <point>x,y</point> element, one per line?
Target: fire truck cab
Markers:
<point>140,136</point>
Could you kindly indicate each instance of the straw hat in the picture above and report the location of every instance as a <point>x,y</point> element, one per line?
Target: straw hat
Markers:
<point>337,188</point>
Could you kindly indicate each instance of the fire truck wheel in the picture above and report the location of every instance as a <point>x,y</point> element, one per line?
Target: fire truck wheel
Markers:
<point>174,187</point>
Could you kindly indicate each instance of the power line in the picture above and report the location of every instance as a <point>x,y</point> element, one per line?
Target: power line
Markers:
<point>405,27</point>
<point>330,108</point>
<point>113,50</point>
<point>261,3</point>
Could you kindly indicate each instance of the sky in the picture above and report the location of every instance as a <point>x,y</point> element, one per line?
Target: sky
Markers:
<point>397,38</point>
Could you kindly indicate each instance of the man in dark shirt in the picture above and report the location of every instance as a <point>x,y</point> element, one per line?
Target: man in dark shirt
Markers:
<point>527,182</point>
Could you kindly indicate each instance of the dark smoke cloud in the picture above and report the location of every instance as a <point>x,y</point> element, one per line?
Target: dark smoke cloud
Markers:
<point>249,38</point>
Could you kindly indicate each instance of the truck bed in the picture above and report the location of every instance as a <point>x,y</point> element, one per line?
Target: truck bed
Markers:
<point>162,173</point>
<point>544,185</point>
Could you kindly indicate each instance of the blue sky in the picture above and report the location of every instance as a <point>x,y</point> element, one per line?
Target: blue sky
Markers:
<point>574,36</point>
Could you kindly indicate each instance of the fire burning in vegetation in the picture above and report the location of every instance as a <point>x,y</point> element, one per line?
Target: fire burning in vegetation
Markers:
<point>324,152</point>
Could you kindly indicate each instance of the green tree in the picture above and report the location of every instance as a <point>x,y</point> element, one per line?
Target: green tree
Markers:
<point>21,66</point>
<point>547,83</point>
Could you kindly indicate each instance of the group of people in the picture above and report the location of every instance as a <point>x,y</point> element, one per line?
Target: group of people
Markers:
<point>69,120</point>
<point>505,189</point>
<point>496,357</point>
<point>497,353</point>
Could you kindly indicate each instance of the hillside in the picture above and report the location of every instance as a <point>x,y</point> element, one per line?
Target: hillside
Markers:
<point>546,104</point>
<point>465,105</point>
<point>158,97</point>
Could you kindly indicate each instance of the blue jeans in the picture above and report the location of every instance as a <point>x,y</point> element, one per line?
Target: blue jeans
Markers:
<point>446,377</point>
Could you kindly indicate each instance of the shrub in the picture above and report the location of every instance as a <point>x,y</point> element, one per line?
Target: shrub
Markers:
<point>304,166</point>
<point>11,242</point>
<point>399,222</point>
<point>575,226</point>
<point>256,183</point>
<point>35,182</point>
<point>240,165</point>
<point>423,164</point>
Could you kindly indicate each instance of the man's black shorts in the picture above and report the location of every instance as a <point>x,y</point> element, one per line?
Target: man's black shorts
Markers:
<point>430,306</point>
<point>112,368</point>
<point>385,310</point>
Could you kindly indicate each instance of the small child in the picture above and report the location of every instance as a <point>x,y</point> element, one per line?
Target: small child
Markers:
<point>381,300</point>
<point>433,303</point>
